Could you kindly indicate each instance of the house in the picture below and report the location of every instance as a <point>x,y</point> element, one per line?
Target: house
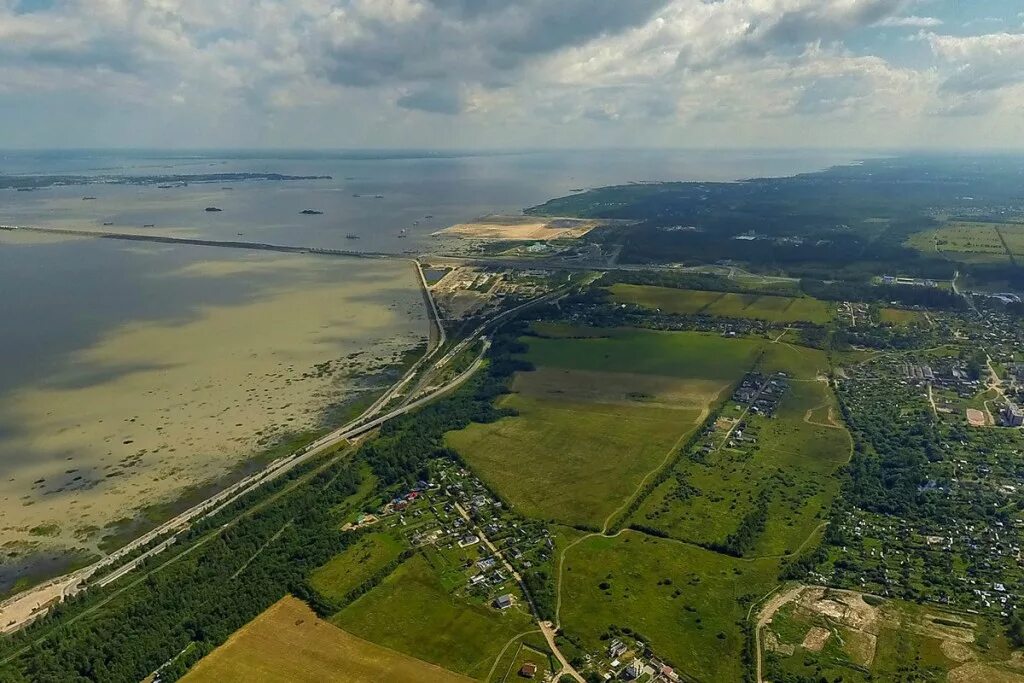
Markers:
<point>529,670</point>
<point>503,601</point>
<point>616,649</point>
<point>633,670</point>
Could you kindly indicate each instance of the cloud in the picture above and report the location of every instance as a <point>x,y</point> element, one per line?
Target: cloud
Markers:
<point>981,63</point>
<point>911,21</point>
<point>583,67</point>
<point>435,100</point>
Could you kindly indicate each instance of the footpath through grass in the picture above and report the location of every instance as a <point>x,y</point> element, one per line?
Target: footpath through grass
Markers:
<point>412,612</point>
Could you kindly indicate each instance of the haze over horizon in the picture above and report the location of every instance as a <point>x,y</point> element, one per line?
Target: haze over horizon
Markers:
<point>460,74</point>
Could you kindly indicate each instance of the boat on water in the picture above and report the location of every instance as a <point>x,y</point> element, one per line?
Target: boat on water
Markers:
<point>350,236</point>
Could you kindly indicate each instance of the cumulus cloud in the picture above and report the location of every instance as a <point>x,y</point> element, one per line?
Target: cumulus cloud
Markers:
<point>982,63</point>
<point>502,63</point>
<point>911,21</point>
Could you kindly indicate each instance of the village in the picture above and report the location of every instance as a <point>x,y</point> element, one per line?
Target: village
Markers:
<point>480,546</point>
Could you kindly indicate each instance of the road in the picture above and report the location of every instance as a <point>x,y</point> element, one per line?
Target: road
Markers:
<point>769,610</point>
<point>545,626</point>
<point>25,607</point>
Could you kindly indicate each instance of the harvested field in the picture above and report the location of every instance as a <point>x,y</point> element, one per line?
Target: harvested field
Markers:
<point>521,228</point>
<point>289,643</point>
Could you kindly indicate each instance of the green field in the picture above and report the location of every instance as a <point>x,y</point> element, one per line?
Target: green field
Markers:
<point>575,463</point>
<point>692,355</point>
<point>970,242</point>
<point>1013,236</point>
<point>584,438</point>
<point>901,318</point>
<point>411,612</point>
<point>288,642</point>
<point>779,309</point>
<point>348,570</point>
<point>685,602</point>
<point>789,468</point>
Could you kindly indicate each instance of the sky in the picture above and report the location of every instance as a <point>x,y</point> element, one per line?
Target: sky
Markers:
<point>506,74</point>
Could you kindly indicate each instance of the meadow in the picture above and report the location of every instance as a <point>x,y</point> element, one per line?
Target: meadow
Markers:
<point>970,242</point>
<point>691,355</point>
<point>574,463</point>
<point>785,466</point>
<point>583,438</point>
<point>357,564</point>
<point>288,642</point>
<point>412,612</point>
<point>901,318</point>
<point>778,309</point>
<point>685,602</point>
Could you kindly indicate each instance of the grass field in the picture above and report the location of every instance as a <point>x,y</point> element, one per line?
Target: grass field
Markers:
<point>1013,236</point>
<point>836,634</point>
<point>348,570</point>
<point>585,438</point>
<point>289,643</point>
<point>969,242</point>
<point>575,463</point>
<point>411,612</point>
<point>780,309</point>
<point>691,355</point>
<point>901,318</point>
<point>792,464</point>
<point>685,602</point>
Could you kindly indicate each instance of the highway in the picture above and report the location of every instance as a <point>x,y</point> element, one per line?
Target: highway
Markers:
<point>25,607</point>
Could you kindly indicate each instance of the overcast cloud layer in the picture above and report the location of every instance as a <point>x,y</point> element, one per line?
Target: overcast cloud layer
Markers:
<point>512,73</point>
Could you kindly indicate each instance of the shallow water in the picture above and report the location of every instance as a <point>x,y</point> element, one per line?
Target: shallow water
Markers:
<point>134,370</point>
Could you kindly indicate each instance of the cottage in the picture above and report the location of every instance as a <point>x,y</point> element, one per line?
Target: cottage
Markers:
<point>503,601</point>
<point>529,670</point>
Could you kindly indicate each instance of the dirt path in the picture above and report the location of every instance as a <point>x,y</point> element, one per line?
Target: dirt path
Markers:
<point>643,482</point>
<point>767,612</point>
<point>511,641</point>
<point>831,424</point>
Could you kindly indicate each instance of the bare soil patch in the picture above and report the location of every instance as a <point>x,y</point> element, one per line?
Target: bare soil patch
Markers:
<point>816,638</point>
<point>498,227</point>
<point>975,671</point>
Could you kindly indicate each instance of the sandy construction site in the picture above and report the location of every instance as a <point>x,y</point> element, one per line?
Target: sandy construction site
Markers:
<point>496,227</point>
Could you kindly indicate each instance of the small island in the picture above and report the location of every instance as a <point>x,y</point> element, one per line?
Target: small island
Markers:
<point>311,212</point>
<point>213,209</point>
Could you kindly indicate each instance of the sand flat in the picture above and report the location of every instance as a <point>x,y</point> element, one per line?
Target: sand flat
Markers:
<point>155,407</point>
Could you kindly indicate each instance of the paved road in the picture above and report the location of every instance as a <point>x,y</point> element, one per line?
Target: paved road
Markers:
<point>25,607</point>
